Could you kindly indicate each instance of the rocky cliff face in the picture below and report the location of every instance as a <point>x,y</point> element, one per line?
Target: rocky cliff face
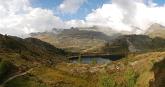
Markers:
<point>159,74</point>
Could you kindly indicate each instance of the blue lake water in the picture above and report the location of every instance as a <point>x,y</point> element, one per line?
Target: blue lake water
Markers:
<point>89,60</point>
<point>98,59</point>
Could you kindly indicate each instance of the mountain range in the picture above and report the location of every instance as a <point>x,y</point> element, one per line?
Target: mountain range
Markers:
<point>92,41</point>
<point>75,40</point>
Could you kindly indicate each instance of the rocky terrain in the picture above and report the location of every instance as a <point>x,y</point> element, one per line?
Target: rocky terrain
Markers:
<point>158,74</point>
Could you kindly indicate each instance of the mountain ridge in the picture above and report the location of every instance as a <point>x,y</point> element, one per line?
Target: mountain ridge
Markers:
<point>156,30</point>
<point>91,41</point>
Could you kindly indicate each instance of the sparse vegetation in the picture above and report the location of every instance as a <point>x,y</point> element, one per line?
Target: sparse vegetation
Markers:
<point>130,77</point>
<point>126,78</point>
<point>107,81</point>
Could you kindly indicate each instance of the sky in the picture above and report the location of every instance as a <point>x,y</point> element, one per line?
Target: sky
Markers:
<point>21,17</point>
<point>85,8</point>
<point>160,2</point>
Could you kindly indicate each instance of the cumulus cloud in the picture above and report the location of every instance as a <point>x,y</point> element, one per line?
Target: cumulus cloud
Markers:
<point>127,15</point>
<point>19,18</point>
<point>70,6</point>
<point>128,9</point>
<point>40,20</point>
<point>109,15</point>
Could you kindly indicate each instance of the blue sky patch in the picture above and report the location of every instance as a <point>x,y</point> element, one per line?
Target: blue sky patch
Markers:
<point>85,9</point>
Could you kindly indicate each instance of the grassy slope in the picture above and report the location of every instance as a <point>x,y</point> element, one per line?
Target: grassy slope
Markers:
<point>134,71</point>
<point>25,54</point>
<point>143,64</point>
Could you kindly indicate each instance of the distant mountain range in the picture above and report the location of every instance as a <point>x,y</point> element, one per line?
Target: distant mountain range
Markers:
<point>76,40</point>
<point>92,41</point>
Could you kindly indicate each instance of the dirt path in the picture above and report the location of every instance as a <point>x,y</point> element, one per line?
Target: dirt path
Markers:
<point>15,76</point>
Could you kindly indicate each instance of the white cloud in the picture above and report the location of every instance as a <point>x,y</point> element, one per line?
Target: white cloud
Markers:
<point>109,15</point>
<point>19,18</point>
<point>41,19</point>
<point>76,23</point>
<point>126,15</point>
<point>71,6</point>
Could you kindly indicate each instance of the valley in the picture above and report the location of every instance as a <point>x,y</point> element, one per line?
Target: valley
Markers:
<point>120,61</point>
